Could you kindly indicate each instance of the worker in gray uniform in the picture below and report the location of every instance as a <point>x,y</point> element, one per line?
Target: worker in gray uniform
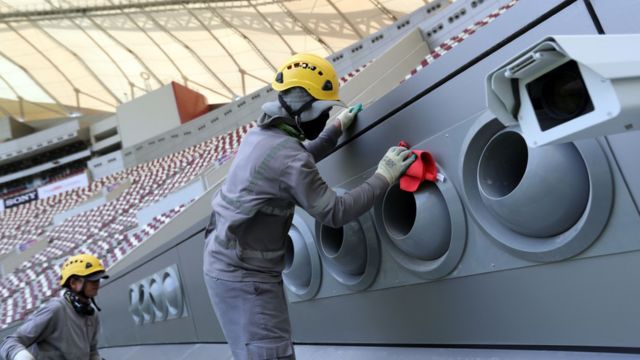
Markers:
<point>65,327</point>
<point>273,171</point>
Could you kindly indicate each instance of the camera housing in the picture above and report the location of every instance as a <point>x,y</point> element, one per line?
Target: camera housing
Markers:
<point>569,87</point>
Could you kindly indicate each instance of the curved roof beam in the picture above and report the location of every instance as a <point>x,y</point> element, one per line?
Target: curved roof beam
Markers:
<point>257,78</point>
<point>346,19</point>
<point>184,77</point>
<point>134,86</point>
<point>127,49</point>
<point>13,90</point>
<point>42,106</point>
<point>83,10</point>
<point>270,25</point>
<point>66,78</point>
<point>304,28</point>
<point>21,100</point>
<point>106,53</point>
<point>384,10</point>
<point>80,92</point>
<point>194,54</point>
<point>244,37</point>
<point>35,81</point>
<point>215,38</point>
<point>77,57</point>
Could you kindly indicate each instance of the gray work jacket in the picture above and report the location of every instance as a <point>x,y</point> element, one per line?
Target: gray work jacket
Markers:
<point>271,173</point>
<point>55,332</point>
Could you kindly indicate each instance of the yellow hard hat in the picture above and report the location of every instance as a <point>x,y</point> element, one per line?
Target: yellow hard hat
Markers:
<point>311,72</point>
<point>84,265</point>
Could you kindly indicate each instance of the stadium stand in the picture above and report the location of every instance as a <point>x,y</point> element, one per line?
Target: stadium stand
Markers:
<point>108,231</point>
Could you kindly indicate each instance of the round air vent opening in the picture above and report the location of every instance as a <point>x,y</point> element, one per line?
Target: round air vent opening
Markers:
<point>172,293</point>
<point>399,211</point>
<point>288,253</point>
<point>153,300</point>
<point>538,192</point>
<point>346,247</point>
<point>331,240</point>
<point>503,164</point>
<point>418,223</point>
<point>140,294</point>
<point>302,271</point>
<point>134,307</point>
<point>543,204</point>
<point>297,271</point>
<point>351,253</point>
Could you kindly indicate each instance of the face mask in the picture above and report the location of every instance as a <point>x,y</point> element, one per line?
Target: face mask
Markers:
<point>313,128</point>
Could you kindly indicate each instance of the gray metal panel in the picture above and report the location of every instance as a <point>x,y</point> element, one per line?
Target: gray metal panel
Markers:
<point>621,17</point>
<point>626,148</point>
<point>586,302</point>
<point>119,328</point>
<point>310,352</point>
<point>186,251</point>
<point>196,227</point>
<point>483,253</point>
<point>618,16</point>
<point>577,302</point>
<point>441,109</point>
<point>168,352</point>
<point>523,13</point>
<point>205,321</point>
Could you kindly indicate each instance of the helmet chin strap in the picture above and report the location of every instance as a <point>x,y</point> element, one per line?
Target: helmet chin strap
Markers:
<point>295,114</point>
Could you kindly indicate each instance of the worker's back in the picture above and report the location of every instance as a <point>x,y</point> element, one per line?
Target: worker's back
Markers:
<point>253,209</point>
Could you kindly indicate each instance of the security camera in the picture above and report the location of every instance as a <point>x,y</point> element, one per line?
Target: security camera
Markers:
<point>566,88</point>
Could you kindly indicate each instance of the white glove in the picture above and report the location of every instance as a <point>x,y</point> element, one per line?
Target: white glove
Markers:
<point>395,162</point>
<point>346,117</point>
<point>23,355</point>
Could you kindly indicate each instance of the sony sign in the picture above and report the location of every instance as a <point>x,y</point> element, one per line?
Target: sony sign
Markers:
<point>20,199</point>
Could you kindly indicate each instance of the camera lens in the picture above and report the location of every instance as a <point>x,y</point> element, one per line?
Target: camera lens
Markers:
<point>559,96</point>
<point>564,95</point>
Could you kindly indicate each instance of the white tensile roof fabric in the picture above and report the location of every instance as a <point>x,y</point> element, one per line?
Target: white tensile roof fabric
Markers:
<point>61,55</point>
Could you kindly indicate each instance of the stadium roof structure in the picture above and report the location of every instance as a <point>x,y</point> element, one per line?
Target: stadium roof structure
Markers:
<point>65,58</point>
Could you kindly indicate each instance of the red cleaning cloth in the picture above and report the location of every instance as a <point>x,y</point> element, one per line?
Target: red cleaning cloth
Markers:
<point>424,168</point>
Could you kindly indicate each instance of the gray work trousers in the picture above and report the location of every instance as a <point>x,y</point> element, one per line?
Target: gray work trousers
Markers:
<point>254,318</point>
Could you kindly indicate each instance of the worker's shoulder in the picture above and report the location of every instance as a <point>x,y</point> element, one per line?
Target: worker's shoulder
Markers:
<point>55,304</point>
<point>53,308</point>
<point>270,142</point>
<point>297,153</point>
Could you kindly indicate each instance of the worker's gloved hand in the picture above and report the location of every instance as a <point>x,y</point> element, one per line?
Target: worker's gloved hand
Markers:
<point>23,355</point>
<point>395,162</point>
<point>346,117</point>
